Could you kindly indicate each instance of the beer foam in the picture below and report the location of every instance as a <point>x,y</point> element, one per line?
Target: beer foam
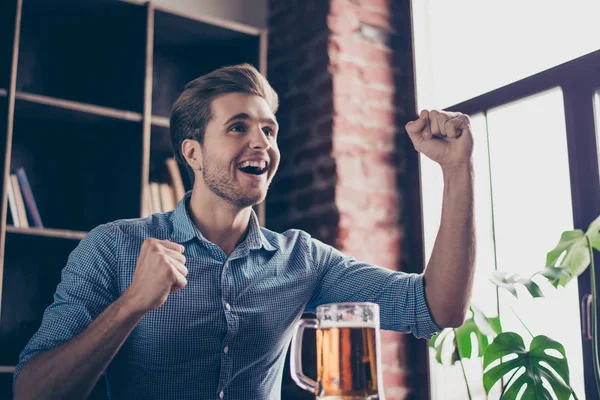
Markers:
<point>346,324</point>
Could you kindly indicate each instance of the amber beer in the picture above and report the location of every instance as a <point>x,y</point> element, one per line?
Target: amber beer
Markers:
<point>346,361</point>
<point>348,352</point>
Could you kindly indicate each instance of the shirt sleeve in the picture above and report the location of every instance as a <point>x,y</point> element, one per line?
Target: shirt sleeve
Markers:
<point>86,289</point>
<point>400,295</point>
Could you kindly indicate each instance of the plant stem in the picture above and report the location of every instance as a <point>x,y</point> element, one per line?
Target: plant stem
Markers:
<point>594,316</point>
<point>520,320</point>
<point>462,367</point>
<point>508,383</point>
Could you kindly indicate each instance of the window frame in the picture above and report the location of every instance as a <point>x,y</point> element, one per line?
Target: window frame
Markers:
<point>579,80</point>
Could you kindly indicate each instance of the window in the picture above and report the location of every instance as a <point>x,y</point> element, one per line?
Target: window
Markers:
<point>464,48</point>
<point>531,193</point>
<point>536,154</point>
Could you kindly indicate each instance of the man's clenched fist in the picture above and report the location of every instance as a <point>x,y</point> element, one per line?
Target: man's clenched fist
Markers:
<point>160,270</point>
<point>443,136</point>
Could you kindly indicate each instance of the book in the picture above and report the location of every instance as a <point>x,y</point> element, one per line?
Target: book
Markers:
<point>148,209</point>
<point>19,200</point>
<point>167,197</point>
<point>33,214</point>
<point>176,180</point>
<point>155,196</point>
<point>12,204</point>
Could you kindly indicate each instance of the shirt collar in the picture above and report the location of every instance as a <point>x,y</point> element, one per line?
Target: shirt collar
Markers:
<point>184,229</point>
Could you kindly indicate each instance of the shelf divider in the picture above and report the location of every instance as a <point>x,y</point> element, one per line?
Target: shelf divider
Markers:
<point>8,140</point>
<point>82,107</point>
<point>55,233</point>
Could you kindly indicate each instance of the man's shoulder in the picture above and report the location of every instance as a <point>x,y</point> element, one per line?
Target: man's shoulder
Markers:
<point>287,240</point>
<point>159,226</point>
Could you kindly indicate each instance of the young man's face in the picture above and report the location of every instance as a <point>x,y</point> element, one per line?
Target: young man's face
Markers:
<point>240,154</point>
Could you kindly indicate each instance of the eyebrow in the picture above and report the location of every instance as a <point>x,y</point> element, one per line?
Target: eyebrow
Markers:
<point>245,116</point>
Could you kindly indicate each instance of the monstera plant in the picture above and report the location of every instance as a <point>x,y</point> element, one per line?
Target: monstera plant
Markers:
<point>504,354</point>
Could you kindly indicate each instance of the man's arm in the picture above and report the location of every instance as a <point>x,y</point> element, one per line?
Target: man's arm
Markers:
<point>446,139</point>
<point>71,369</point>
<point>400,296</point>
<point>449,273</point>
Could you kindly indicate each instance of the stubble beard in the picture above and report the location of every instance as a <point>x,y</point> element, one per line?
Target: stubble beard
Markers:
<point>216,180</point>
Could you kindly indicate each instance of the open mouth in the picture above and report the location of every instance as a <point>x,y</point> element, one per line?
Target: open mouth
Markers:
<point>253,167</point>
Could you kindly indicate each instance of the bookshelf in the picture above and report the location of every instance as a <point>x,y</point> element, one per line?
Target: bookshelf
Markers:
<point>85,94</point>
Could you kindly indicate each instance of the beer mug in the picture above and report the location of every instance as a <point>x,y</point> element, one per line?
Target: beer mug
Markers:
<point>348,352</point>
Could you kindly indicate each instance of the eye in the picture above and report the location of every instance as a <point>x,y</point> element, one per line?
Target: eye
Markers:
<point>238,128</point>
<point>268,131</point>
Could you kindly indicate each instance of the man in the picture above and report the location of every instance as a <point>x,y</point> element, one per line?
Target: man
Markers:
<point>199,303</point>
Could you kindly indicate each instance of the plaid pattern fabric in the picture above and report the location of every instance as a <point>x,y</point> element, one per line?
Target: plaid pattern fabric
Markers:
<point>225,335</point>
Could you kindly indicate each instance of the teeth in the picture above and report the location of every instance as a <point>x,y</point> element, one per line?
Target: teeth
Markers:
<point>258,164</point>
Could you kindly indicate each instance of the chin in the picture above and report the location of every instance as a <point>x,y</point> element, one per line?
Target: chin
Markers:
<point>249,199</point>
<point>259,198</point>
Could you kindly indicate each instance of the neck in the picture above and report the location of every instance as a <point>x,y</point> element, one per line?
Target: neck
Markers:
<point>220,222</point>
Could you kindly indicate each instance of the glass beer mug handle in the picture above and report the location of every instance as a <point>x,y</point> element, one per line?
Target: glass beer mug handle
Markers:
<point>296,356</point>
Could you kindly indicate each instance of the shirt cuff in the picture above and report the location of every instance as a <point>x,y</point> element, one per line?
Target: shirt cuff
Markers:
<point>425,326</point>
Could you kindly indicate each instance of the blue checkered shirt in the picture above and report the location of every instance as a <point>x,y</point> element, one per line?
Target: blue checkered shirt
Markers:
<point>225,335</point>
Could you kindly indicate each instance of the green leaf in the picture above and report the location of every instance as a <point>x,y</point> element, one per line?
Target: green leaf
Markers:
<point>533,288</point>
<point>477,326</point>
<point>505,343</point>
<point>554,275</point>
<point>438,354</point>
<point>509,281</point>
<point>511,343</point>
<point>488,326</point>
<point>495,374</point>
<point>433,339</point>
<point>455,357</point>
<point>576,259</point>
<point>532,392</point>
<point>437,342</point>
<point>538,348</point>
<point>593,233</point>
<point>498,279</point>
<point>463,337</point>
<point>567,239</point>
<point>496,325</point>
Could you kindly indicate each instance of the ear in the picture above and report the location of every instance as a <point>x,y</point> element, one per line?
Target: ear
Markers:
<point>192,152</point>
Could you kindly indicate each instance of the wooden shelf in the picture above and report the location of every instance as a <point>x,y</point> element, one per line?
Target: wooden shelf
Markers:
<point>95,83</point>
<point>162,122</point>
<point>207,19</point>
<point>80,107</point>
<point>54,233</point>
<point>84,169</point>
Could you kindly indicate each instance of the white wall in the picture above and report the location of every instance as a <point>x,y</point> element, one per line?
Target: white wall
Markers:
<point>249,12</point>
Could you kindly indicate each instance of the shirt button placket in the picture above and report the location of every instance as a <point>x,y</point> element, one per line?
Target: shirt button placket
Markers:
<point>226,360</point>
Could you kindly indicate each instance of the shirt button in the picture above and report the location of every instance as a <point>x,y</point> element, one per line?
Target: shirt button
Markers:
<point>221,394</point>
<point>226,349</point>
<point>227,306</point>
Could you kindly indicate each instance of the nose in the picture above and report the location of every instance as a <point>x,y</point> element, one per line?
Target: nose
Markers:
<point>259,141</point>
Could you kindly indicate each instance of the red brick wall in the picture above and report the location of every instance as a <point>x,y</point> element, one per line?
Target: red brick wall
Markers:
<point>349,175</point>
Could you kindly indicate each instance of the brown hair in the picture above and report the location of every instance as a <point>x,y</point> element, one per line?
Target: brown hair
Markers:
<point>192,110</point>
